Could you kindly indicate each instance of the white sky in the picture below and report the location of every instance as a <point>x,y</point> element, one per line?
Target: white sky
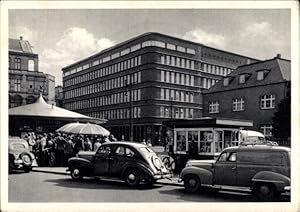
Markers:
<point>61,37</point>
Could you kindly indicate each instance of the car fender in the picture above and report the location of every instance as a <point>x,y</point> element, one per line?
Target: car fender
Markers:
<point>279,180</point>
<point>138,165</point>
<point>205,176</point>
<point>80,162</point>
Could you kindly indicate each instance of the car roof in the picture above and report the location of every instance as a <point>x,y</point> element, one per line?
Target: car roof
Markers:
<point>129,143</point>
<point>258,148</point>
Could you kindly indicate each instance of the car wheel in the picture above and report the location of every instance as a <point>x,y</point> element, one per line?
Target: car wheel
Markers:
<point>76,173</point>
<point>264,191</point>
<point>192,183</point>
<point>26,159</point>
<point>132,177</point>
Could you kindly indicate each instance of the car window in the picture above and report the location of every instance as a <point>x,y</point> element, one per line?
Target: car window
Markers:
<point>104,149</point>
<point>120,150</point>
<point>124,151</point>
<point>232,157</point>
<point>18,146</point>
<point>129,152</point>
<point>228,157</point>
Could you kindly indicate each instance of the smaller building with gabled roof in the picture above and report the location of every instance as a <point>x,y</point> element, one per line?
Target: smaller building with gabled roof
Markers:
<point>252,92</point>
<point>25,80</point>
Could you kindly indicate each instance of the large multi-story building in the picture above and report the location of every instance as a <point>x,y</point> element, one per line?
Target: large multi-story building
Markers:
<point>25,80</point>
<point>251,92</point>
<point>143,81</point>
<point>59,96</point>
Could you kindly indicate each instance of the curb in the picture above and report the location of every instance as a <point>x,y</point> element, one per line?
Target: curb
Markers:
<point>62,173</point>
<point>49,172</point>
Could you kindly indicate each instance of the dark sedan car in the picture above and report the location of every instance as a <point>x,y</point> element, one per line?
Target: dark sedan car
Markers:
<point>134,163</point>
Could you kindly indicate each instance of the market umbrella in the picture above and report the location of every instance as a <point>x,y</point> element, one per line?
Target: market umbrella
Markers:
<point>84,128</point>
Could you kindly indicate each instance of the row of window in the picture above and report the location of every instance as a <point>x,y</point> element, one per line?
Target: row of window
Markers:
<point>190,64</point>
<point>17,64</point>
<point>261,75</point>
<point>224,58</point>
<point>177,78</point>
<point>177,61</point>
<point>112,69</point>
<point>266,102</point>
<point>122,113</point>
<point>218,70</point>
<point>175,95</point>
<point>129,50</point>
<point>176,112</point>
<point>116,98</point>
<point>117,82</point>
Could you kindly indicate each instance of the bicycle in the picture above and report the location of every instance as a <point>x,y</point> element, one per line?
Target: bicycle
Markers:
<point>169,163</point>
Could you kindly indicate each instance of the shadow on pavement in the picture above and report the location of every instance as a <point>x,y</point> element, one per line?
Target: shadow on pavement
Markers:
<point>12,172</point>
<point>92,183</point>
<point>210,195</point>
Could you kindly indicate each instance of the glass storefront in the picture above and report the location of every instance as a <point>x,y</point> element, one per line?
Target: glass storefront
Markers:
<point>209,140</point>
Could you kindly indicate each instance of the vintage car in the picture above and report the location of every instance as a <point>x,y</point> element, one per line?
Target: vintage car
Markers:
<point>262,169</point>
<point>134,163</point>
<point>19,155</point>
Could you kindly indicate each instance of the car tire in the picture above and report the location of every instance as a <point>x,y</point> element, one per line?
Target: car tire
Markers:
<point>26,159</point>
<point>76,173</point>
<point>265,191</point>
<point>192,183</point>
<point>132,177</point>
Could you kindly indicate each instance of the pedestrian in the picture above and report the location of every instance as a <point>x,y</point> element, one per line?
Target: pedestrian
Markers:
<point>59,149</point>
<point>193,149</point>
<point>97,144</point>
<point>68,150</point>
<point>79,144</point>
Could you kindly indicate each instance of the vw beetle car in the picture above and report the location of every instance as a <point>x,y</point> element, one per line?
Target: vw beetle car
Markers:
<point>134,163</point>
<point>19,155</point>
<point>262,169</point>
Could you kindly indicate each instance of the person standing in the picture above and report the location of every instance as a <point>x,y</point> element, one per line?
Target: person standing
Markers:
<point>68,150</point>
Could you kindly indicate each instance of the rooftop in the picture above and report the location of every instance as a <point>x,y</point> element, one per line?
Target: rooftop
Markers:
<point>19,45</point>
<point>279,70</point>
<point>144,35</point>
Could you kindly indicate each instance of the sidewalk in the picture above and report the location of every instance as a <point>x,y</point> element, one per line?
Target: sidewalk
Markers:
<point>62,171</point>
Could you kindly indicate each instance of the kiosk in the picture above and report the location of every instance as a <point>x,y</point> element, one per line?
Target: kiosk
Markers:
<point>202,138</point>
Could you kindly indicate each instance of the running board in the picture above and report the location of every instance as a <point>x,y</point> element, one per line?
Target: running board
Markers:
<point>231,188</point>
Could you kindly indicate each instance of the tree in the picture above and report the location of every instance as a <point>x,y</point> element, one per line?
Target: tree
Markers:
<point>282,119</point>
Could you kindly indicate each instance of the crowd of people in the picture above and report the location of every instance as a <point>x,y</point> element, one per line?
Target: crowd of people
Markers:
<point>54,149</point>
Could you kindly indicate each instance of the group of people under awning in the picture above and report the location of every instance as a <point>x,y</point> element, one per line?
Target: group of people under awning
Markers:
<point>54,149</point>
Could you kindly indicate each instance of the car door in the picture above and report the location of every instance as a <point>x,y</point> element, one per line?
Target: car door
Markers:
<point>101,160</point>
<point>117,161</point>
<point>225,169</point>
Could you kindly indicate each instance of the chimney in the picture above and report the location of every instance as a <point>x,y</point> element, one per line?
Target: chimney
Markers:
<point>278,55</point>
<point>21,37</point>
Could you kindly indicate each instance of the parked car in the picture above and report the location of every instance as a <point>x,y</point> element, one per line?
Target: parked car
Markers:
<point>262,169</point>
<point>134,163</point>
<point>19,155</point>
